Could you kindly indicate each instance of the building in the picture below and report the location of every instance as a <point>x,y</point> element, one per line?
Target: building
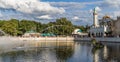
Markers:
<point>48,35</point>
<point>100,28</point>
<point>105,27</point>
<point>78,33</point>
<point>116,27</point>
<point>108,22</point>
<point>31,34</point>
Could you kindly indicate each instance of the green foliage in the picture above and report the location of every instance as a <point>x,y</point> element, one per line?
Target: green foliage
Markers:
<point>15,27</point>
<point>62,26</point>
<point>10,27</point>
<point>26,25</point>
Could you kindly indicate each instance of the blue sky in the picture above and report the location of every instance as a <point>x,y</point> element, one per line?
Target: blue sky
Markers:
<point>79,12</point>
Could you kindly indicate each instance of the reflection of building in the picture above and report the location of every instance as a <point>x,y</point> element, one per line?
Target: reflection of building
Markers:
<point>79,33</point>
<point>101,27</point>
<point>96,56</point>
<point>105,52</point>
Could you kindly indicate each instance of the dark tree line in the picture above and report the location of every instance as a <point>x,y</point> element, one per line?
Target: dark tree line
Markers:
<point>16,27</point>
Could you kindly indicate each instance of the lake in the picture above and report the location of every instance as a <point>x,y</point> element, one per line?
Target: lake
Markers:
<point>59,52</point>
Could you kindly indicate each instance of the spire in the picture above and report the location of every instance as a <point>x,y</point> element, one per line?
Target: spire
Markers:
<point>95,18</point>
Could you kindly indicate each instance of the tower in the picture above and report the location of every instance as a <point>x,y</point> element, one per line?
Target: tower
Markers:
<point>95,18</point>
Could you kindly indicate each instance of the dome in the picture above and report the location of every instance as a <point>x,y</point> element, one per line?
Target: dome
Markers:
<point>106,16</point>
<point>76,31</point>
<point>79,30</point>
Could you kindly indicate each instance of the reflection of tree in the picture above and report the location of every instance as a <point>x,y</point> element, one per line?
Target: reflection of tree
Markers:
<point>22,55</point>
<point>94,50</point>
<point>64,53</point>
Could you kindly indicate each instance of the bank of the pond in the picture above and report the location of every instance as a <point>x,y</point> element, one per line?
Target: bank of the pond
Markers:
<point>103,39</point>
<point>58,39</point>
<point>48,39</point>
<point>69,39</point>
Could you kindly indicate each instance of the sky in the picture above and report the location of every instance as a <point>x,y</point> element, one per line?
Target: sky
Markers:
<point>79,12</point>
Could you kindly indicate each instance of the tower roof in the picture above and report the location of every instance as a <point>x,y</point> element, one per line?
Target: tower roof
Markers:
<point>106,16</point>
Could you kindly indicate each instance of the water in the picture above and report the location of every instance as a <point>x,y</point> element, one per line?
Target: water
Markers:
<point>59,52</point>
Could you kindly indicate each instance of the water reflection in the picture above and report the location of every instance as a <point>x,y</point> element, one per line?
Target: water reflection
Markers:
<point>113,52</point>
<point>39,52</point>
<point>110,53</point>
<point>59,52</point>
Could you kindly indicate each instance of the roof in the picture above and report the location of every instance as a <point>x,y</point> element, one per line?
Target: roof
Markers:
<point>48,34</point>
<point>106,16</point>
<point>79,30</point>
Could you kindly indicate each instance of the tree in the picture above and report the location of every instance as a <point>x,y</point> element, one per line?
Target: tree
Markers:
<point>26,25</point>
<point>10,27</point>
<point>61,26</point>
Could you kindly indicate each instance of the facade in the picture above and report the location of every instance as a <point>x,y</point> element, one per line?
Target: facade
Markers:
<point>78,33</point>
<point>98,31</point>
<point>108,23</point>
<point>31,34</point>
<point>116,27</point>
<point>101,27</point>
<point>95,18</point>
<point>107,27</point>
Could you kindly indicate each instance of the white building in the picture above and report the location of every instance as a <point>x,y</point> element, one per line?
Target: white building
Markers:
<point>31,34</point>
<point>97,30</point>
<point>79,33</point>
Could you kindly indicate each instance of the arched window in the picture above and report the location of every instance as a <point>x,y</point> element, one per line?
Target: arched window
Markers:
<point>101,34</point>
<point>93,34</point>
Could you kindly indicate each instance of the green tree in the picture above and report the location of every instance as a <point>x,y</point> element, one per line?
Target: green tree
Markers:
<point>26,25</point>
<point>10,27</point>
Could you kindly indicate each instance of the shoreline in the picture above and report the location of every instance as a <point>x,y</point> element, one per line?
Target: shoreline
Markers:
<point>59,39</point>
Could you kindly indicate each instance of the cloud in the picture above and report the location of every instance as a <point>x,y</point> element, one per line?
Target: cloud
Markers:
<point>77,12</point>
<point>69,5</point>
<point>44,17</point>
<point>1,15</point>
<point>30,7</point>
<point>115,14</point>
<point>98,8</point>
<point>111,8</point>
<point>111,4</point>
<point>75,18</point>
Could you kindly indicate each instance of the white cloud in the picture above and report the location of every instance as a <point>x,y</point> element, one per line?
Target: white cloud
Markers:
<point>44,17</point>
<point>75,11</point>
<point>111,8</point>
<point>30,6</point>
<point>115,14</point>
<point>1,15</point>
<point>75,18</point>
<point>69,5</point>
<point>98,8</point>
<point>111,4</point>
